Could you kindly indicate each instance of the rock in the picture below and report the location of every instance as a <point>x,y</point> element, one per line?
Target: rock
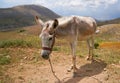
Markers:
<point>25,58</point>
<point>21,78</point>
<point>21,64</point>
<point>106,78</point>
<point>105,69</point>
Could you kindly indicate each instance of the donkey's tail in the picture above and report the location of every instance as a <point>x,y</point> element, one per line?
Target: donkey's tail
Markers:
<point>97,31</point>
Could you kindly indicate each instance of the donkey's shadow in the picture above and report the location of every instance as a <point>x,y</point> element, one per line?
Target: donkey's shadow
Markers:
<point>87,70</point>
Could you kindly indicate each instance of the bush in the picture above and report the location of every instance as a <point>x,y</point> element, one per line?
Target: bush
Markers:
<point>22,30</point>
<point>96,45</point>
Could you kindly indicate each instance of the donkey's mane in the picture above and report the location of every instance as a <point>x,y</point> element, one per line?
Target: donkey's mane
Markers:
<point>64,20</point>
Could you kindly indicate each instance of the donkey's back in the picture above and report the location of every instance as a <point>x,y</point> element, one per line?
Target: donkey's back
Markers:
<point>84,27</point>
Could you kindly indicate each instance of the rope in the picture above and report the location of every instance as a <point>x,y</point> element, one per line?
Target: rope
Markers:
<point>53,71</point>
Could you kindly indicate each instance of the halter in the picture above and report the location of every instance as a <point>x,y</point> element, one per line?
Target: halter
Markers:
<point>50,49</point>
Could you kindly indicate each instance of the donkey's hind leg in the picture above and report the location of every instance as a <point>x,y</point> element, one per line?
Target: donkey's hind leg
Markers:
<point>90,43</point>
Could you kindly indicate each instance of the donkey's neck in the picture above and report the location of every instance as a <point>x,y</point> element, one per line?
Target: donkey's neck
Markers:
<point>64,21</point>
<point>64,26</point>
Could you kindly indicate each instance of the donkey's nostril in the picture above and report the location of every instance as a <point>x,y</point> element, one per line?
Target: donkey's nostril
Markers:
<point>45,56</point>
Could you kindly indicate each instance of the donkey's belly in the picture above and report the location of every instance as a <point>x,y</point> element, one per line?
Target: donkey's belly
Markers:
<point>85,33</point>
<point>82,38</point>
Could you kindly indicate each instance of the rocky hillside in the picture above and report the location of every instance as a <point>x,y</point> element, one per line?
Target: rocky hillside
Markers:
<point>21,16</point>
<point>113,21</point>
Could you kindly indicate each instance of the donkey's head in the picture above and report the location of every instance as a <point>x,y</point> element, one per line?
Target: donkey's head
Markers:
<point>47,36</point>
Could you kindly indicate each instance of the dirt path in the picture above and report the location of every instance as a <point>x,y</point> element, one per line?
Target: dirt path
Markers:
<point>39,72</point>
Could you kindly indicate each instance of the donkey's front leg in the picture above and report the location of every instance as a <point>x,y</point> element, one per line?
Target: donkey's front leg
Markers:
<point>90,43</point>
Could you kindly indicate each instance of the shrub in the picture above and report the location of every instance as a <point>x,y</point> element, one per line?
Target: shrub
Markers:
<point>96,45</point>
<point>22,30</point>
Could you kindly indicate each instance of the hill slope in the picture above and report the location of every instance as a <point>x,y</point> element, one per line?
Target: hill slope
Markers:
<point>113,21</point>
<point>20,16</point>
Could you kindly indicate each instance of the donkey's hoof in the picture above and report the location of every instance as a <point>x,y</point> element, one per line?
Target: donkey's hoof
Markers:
<point>74,74</point>
<point>93,60</point>
<point>88,58</point>
<point>76,69</point>
<point>70,69</point>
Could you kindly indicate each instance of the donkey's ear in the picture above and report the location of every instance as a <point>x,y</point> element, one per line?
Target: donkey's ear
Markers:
<point>39,21</point>
<point>55,23</point>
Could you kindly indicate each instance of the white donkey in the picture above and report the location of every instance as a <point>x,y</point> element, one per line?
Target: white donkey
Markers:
<point>72,28</point>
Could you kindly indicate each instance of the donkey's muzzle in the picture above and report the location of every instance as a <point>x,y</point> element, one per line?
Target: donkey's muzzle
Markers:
<point>45,55</point>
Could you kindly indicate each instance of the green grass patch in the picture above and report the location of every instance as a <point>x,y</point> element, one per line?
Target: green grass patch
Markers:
<point>5,57</point>
<point>56,48</point>
<point>15,43</point>
<point>34,40</point>
<point>4,60</point>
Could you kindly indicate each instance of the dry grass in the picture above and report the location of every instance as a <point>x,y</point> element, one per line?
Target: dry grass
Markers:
<point>34,30</point>
<point>110,33</point>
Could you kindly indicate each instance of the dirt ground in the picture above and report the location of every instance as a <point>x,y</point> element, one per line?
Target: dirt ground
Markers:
<point>40,72</point>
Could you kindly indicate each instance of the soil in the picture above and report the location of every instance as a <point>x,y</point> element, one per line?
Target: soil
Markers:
<point>40,71</point>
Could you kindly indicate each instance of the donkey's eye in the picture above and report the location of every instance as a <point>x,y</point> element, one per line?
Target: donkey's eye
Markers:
<point>50,33</point>
<point>50,39</point>
<point>47,25</point>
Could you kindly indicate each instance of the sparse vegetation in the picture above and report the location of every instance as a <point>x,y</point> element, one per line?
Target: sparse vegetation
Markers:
<point>6,79</point>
